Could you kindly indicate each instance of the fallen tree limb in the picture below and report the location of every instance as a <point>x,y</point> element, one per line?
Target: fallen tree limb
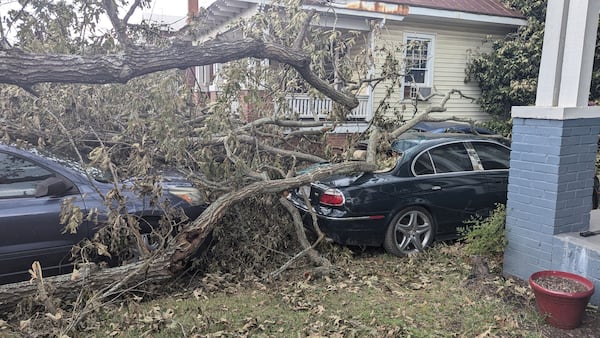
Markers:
<point>254,141</point>
<point>189,240</point>
<point>109,282</point>
<point>425,115</point>
<point>27,69</point>
<point>308,249</point>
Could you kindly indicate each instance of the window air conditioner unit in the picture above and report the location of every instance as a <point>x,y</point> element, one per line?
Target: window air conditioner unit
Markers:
<point>418,93</point>
<point>424,92</point>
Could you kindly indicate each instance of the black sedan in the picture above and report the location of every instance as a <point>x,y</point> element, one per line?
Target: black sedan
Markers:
<point>32,189</point>
<point>438,182</point>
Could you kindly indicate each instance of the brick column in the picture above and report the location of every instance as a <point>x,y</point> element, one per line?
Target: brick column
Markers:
<point>550,188</point>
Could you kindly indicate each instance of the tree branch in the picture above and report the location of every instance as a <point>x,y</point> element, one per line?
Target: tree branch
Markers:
<point>300,38</point>
<point>132,9</point>
<point>281,123</point>
<point>253,141</point>
<point>432,109</point>
<point>118,24</point>
<point>374,138</point>
<point>26,69</point>
<point>308,249</point>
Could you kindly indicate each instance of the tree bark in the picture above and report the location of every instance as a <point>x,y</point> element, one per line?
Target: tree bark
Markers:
<point>108,282</point>
<point>27,69</point>
<point>313,254</point>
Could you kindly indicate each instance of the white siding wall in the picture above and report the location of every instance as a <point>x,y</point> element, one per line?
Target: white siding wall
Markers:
<point>452,49</point>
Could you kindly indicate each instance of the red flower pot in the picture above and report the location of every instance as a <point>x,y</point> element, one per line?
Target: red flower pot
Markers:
<point>563,310</point>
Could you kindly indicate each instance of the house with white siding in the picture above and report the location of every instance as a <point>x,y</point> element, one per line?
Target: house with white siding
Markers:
<point>440,36</point>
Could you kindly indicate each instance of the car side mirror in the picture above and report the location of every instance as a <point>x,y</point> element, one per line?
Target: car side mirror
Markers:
<point>53,186</point>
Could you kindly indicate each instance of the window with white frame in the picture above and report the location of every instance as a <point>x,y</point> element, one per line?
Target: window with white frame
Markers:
<point>203,77</point>
<point>418,61</point>
<point>207,77</point>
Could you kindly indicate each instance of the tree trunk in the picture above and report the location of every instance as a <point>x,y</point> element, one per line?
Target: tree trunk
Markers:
<point>108,282</point>
<point>27,69</point>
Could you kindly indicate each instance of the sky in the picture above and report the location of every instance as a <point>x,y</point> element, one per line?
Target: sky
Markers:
<point>175,7</point>
<point>172,7</point>
<point>171,12</point>
<point>169,7</point>
<point>165,7</point>
<point>158,9</point>
<point>165,11</point>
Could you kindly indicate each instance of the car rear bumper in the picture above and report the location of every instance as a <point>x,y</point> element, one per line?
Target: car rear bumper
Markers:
<point>349,230</point>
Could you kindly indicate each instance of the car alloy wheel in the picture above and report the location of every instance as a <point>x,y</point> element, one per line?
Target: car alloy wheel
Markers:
<point>410,231</point>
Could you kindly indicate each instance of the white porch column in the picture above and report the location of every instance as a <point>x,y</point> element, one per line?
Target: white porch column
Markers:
<point>578,60</point>
<point>552,53</point>
<point>568,53</point>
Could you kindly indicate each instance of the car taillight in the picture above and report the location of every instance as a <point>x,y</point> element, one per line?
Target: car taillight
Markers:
<point>332,197</point>
<point>189,194</point>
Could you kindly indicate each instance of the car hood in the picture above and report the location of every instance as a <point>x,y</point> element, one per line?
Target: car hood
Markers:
<point>172,178</point>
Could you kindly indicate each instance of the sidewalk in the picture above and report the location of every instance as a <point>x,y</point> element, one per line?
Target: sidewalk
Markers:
<point>591,242</point>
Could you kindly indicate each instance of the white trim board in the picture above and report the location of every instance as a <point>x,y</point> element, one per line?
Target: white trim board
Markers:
<point>555,113</point>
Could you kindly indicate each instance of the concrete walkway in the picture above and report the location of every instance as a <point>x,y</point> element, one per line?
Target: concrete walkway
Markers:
<point>591,242</point>
<point>574,253</point>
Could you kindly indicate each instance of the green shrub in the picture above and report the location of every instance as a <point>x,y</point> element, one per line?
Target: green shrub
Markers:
<point>485,236</point>
<point>502,127</point>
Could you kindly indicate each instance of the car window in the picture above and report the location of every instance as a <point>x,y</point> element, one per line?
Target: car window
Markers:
<point>423,165</point>
<point>19,177</point>
<point>450,158</point>
<point>492,156</point>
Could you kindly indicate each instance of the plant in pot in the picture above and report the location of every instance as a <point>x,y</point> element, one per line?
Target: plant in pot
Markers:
<point>561,297</point>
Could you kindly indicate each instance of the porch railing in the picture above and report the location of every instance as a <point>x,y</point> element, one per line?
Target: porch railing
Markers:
<point>307,107</point>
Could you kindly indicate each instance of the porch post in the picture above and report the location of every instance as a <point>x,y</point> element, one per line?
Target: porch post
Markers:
<point>554,149</point>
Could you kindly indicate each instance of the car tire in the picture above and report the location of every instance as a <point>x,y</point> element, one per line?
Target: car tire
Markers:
<point>410,231</point>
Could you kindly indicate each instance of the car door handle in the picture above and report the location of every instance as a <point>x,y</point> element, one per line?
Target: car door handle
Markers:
<point>436,187</point>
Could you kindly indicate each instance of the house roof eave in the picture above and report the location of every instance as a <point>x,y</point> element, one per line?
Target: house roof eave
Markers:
<point>390,10</point>
<point>429,13</point>
<point>356,13</point>
<point>378,10</point>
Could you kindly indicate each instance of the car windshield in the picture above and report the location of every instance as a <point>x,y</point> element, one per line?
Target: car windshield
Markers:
<point>85,169</point>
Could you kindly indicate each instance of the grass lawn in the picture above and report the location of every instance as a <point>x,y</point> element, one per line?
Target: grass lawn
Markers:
<point>370,295</point>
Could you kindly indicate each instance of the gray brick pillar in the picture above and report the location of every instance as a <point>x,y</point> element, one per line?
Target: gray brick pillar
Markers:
<point>549,190</point>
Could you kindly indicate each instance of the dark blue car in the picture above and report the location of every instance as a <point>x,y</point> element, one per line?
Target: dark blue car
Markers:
<point>33,187</point>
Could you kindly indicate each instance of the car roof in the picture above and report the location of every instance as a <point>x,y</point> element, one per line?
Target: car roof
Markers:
<point>31,152</point>
<point>23,151</point>
<point>450,126</point>
<point>422,140</point>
